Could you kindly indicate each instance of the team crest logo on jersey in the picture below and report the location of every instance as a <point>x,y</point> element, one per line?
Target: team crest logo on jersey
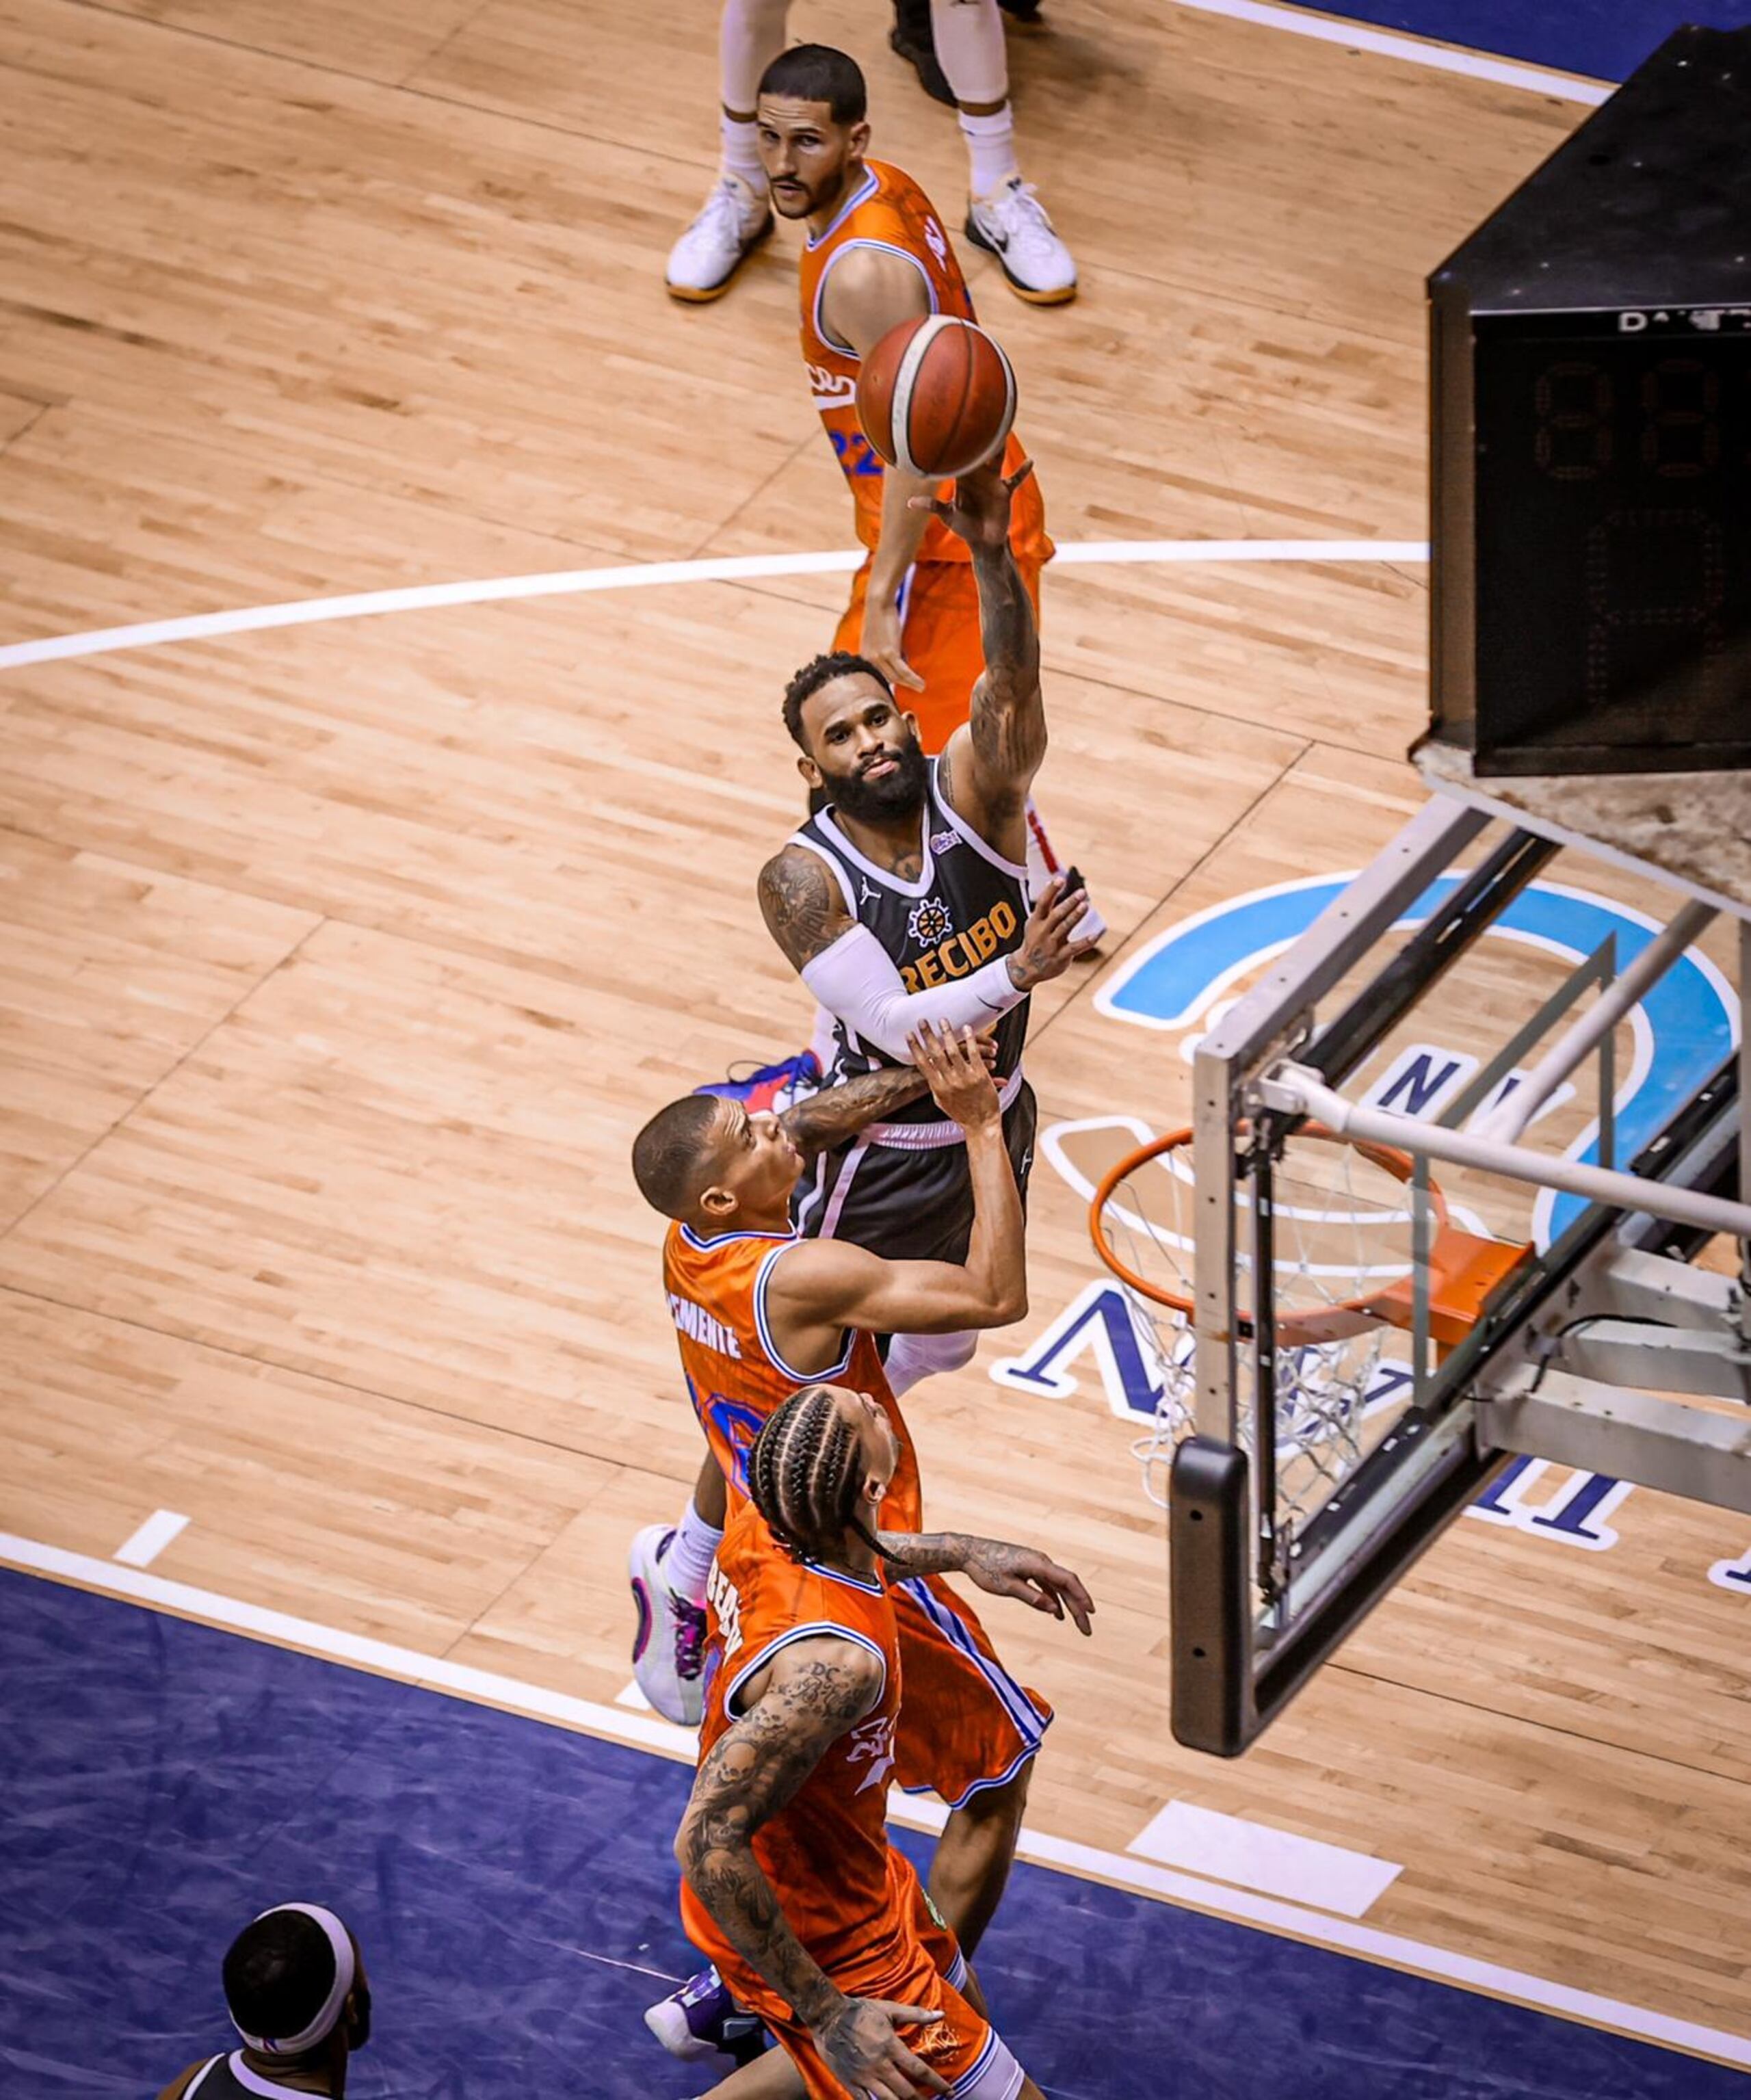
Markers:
<point>873,1744</point>
<point>831,389</point>
<point>942,842</point>
<point>929,922</point>
<point>936,242</point>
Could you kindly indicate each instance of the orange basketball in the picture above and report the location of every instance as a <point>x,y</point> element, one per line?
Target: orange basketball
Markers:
<point>936,396</point>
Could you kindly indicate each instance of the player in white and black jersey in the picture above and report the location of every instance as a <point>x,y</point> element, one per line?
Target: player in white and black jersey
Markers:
<point>297,1994</point>
<point>905,899</point>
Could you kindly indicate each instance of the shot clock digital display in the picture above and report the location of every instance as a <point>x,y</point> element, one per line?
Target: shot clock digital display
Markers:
<point>1590,359</point>
<point>1612,521</point>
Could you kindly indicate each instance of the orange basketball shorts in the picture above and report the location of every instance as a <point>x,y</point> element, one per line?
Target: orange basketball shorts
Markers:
<point>965,1724</point>
<point>921,1965</point>
<point>939,638</point>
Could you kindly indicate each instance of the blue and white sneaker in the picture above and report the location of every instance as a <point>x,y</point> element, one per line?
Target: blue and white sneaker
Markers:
<point>702,2019</point>
<point>775,1087</point>
<point>668,1649</point>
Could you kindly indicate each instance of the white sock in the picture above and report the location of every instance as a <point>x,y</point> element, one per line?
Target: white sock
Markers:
<point>991,152</point>
<point>969,35</point>
<point>740,155</point>
<point>1043,864</point>
<point>691,1551</point>
<point>911,1357</point>
<point>824,1038</point>
<point>750,36</point>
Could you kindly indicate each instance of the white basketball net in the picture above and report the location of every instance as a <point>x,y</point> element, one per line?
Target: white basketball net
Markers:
<point>1341,1230</point>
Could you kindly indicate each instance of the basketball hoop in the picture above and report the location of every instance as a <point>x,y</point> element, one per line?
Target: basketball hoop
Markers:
<point>1343,1242</point>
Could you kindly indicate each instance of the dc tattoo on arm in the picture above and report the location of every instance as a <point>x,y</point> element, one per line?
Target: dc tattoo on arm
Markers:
<point>803,910</point>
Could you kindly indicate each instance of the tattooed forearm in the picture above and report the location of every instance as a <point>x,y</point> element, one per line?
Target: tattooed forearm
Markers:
<point>841,1112</point>
<point>1008,719</point>
<point>927,1553</point>
<point>1020,1572</point>
<point>746,1778</point>
<point>803,910</point>
<point>731,1797</point>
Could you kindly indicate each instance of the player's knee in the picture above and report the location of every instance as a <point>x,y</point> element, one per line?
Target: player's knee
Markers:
<point>1000,1806</point>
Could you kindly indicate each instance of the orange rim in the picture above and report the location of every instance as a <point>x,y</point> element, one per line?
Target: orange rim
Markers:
<point>1293,1325</point>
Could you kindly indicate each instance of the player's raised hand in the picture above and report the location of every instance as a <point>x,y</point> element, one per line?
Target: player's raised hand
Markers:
<point>1035,1578</point>
<point>1048,948</point>
<point>980,512</point>
<point>879,644</point>
<point>954,1069</point>
<point>863,2051</point>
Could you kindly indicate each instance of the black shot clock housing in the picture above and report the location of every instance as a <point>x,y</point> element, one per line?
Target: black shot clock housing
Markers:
<point>1591,440</point>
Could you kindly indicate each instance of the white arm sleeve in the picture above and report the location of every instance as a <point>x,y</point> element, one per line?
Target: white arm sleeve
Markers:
<point>857,980</point>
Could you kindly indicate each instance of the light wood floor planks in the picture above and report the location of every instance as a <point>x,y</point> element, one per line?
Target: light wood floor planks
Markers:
<point>340,963</point>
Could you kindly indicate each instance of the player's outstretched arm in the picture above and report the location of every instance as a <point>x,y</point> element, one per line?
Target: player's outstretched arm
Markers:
<point>833,1113</point>
<point>818,1288</point>
<point>989,767</point>
<point>867,292</point>
<point>855,978</point>
<point>815,1691</point>
<point>996,1566</point>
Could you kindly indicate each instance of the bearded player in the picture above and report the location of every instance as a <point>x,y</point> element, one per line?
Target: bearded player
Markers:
<point>905,899</point>
<point>791,1885</point>
<point>877,255</point>
<point>1003,214</point>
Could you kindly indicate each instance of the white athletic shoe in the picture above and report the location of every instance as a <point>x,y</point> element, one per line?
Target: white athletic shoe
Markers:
<point>732,224</point>
<point>669,1650</point>
<point>1091,928</point>
<point>1012,225</point>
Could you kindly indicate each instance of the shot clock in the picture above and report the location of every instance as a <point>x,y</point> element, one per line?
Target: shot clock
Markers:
<point>1591,355</point>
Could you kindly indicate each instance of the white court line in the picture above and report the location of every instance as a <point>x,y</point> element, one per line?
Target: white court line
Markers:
<point>1323,29</point>
<point>634,576</point>
<point>649,1733</point>
<point>151,1539</point>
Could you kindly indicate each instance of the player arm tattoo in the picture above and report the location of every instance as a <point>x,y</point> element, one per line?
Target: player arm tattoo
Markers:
<point>1007,719</point>
<point>749,1774</point>
<point>836,1112</point>
<point>1020,1572</point>
<point>801,905</point>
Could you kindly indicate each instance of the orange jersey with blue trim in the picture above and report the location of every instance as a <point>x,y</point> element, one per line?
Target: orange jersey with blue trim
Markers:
<point>846,1894</point>
<point>737,1377</point>
<point>889,210</point>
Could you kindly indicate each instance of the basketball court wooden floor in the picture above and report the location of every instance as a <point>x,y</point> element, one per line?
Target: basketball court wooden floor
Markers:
<point>343,959</point>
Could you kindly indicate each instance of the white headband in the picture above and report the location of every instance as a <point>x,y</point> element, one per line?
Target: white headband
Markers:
<point>323,2025</point>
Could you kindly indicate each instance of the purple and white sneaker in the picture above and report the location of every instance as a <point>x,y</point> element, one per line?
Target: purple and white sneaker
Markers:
<point>669,1650</point>
<point>702,2019</point>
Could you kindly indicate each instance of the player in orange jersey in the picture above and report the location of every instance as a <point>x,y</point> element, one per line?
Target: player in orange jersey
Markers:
<point>876,254</point>
<point>761,1312</point>
<point>791,1885</point>
<point>1003,214</point>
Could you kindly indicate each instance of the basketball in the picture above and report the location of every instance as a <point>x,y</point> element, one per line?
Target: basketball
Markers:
<point>936,396</point>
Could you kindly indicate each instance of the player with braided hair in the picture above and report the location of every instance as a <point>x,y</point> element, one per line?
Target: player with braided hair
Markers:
<point>791,1885</point>
<point>801,1476</point>
<point>760,1312</point>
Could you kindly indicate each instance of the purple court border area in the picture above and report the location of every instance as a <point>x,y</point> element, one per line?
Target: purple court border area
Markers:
<point>512,1886</point>
<point>1601,39</point>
